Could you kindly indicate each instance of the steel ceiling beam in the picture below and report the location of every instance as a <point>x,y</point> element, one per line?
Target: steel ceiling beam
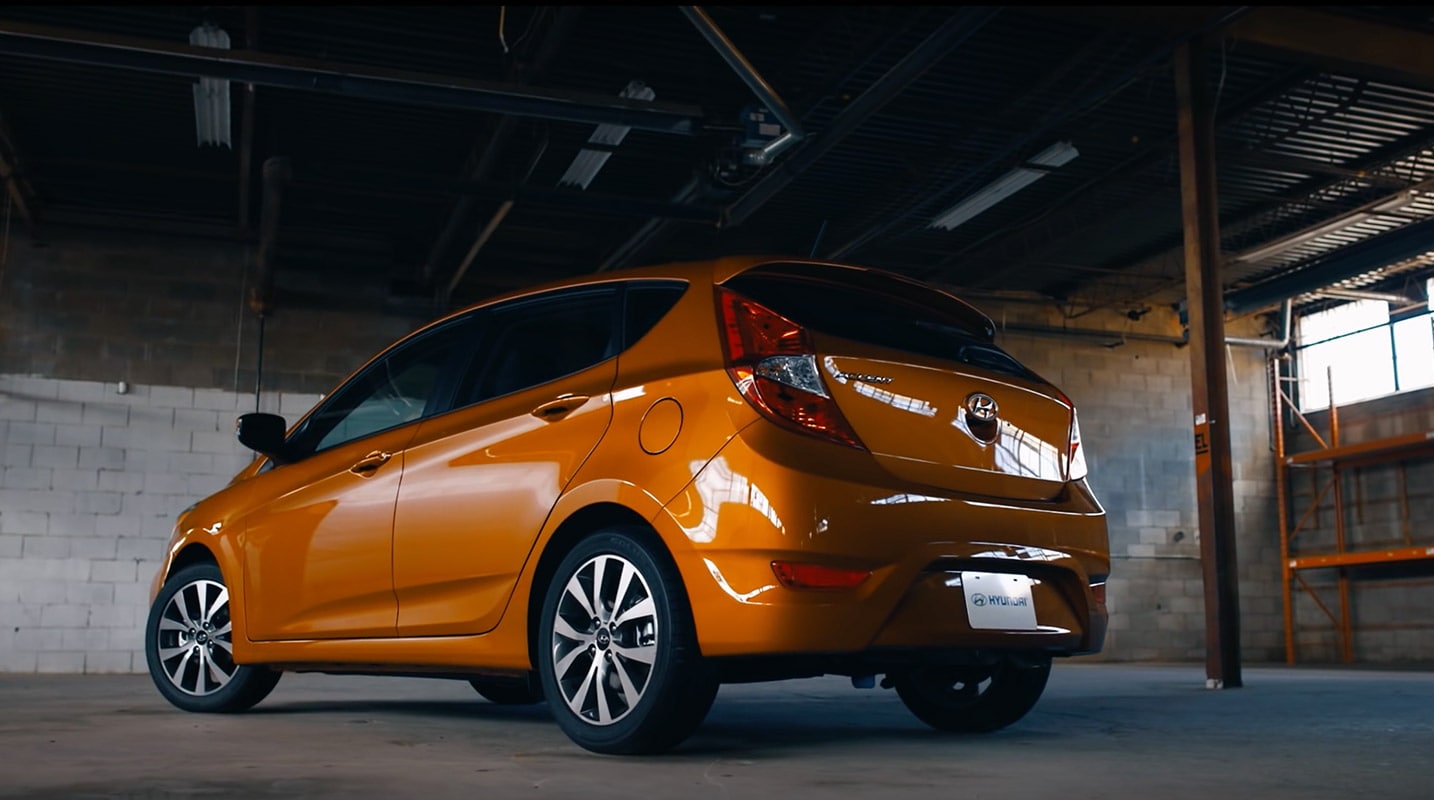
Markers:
<point>1371,163</point>
<point>1079,208</point>
<point>938,44</point>
<point>950,35</point>
<point>1398,245</point>
<point>352,80</point>
<point>1377,50</point>
<point>969,179</point>
<point>480,164</point>
<point>1329,40</point>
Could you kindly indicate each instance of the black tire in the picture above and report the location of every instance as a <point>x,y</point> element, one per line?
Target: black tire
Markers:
<point>592,654</point>
<point>509,691</point>
<point>187,644</point>
<point>973,699</point>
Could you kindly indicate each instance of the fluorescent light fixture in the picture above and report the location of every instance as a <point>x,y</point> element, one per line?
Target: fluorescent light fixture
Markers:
<point>589,161</point>
<point>211,95</point>
<point>1056,155</point>
<point>1392,204</point>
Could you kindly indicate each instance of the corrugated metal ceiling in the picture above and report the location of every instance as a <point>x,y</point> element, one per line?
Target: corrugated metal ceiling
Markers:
<point>1299,145</point>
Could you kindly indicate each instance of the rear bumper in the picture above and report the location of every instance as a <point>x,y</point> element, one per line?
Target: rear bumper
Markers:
<point>748,507</point>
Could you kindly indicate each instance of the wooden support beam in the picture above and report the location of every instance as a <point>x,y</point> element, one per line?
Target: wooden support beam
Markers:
<point>1214,474</point>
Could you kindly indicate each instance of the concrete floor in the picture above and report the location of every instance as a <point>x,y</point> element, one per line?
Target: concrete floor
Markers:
<point>1101,731</point>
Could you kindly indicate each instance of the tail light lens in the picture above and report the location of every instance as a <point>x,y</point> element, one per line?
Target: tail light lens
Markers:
<point>773,363</point>
<point>1077,468</point>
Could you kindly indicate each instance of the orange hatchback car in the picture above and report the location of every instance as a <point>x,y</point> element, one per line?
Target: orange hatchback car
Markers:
<point>618,492</point>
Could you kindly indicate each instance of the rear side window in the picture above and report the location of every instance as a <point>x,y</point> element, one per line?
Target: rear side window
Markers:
<point>876,309</point>
<point>646,303</point>
<point>535,341</point>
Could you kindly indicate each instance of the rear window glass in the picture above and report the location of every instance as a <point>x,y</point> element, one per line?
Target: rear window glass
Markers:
<point>647,303</point>
<point>877,309</point>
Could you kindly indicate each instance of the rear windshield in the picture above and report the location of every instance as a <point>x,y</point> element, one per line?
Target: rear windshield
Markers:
<point>878,309</point>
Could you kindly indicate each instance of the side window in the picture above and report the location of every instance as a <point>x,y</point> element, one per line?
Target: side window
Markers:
<point>646,303</point>
<point>535,341</point>
<point>408,383</point>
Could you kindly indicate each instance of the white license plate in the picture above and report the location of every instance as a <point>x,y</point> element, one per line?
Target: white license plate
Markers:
<point>997,601</point>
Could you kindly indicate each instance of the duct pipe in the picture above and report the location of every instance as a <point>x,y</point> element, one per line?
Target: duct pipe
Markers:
<point>754,81</point>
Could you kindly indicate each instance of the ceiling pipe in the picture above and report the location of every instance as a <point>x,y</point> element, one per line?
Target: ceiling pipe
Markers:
<point>1111,337</point>
<point>353,80</point>
<point>1285,332</point>
<point>754,80</point>
<point>1116,337</point>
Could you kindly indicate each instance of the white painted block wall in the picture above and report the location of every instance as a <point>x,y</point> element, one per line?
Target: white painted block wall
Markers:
<point>91,482</point>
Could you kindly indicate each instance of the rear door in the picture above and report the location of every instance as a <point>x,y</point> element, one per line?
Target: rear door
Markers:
<point>480,480</point>
<point>318,556</point>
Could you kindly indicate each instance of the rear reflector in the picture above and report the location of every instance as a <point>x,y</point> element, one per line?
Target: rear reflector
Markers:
<point>1097,592</point>
<point>797,575</point>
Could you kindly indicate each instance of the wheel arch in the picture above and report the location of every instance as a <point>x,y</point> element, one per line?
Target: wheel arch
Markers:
<point>577,526</point>
<point>191,554</point>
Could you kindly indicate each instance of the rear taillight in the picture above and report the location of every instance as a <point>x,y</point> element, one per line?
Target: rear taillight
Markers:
<point>1077,468</point>
<point>773,363</point>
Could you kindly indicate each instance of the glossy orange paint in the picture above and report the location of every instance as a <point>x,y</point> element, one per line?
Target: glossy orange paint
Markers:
<point>435,559</point>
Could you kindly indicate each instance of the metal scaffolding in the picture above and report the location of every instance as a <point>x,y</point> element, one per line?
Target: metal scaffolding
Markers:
<point>1327,466</point>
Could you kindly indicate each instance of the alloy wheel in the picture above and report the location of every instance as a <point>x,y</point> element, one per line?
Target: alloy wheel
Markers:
<point>604,641</point>
<point>194,639</point>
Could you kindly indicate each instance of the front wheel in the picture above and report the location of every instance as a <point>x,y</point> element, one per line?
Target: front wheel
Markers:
<point>972,699</point>
<point>188,642</point>
<point>617,650</point>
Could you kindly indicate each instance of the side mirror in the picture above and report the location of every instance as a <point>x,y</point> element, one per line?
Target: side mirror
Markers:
<point>264,434</point>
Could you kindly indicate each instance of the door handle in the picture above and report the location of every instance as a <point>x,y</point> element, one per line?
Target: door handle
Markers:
<point>371,462</point>
<point>559,407</point>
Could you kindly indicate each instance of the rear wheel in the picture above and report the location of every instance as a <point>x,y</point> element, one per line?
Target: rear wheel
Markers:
<point>617,649</point>
<point>188,645</point>
<point>973,699</point>
<point>509,691</point>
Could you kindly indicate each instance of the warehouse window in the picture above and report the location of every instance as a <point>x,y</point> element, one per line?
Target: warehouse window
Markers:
<point>1364,351</point>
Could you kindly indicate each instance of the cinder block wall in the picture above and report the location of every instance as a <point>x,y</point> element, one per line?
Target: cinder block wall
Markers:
<point>92,479</point>
<point>1133,400</point>
<point>115,307</point>
<point>1387,506</point>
